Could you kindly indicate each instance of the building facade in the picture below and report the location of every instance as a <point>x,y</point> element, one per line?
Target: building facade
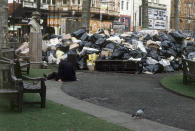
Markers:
<point>61,14</point>
<point>186,17</point>
<point>158,14</point>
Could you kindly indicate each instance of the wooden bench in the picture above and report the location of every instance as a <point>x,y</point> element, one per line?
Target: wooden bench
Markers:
<point>18,85</point>
<point>188,70</point>
<point>31,85</point>
<point>24,60</point>
<point>24,63</point>
<point>8,84</point>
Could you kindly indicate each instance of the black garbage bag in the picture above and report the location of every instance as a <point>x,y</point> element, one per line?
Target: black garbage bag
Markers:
<point>78,33</point>
<point>171,45</point>
<point>175,65</point>
<point>163,36</point>
<point>189,49</point>
<point>157,68</point>
<point>101,41</point>
<point>118,52</point>
<point>177,35</point>
<point>126,56</point>
<point>82,63</point>
<point>84,37</point>
<point>154,53</point>
<point>165,44</point>
<point>171,52</point>
<point>135,36</point>
<point>110,46</point>
<point>127,39</point>
<point>82,44</point>
<point>191,55</point>
<point>64,41</point>
<point>136,53</point>
<point>53,36</point>
<point>95,37</point>
<point>89,44</point>
<point>169,68</point>
<point>156,38</point>
<point>63,47</point>
<point>190,43</point>
<point>147,37</point>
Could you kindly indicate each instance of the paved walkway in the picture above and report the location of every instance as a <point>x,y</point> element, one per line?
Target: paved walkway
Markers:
<point>55,94</point>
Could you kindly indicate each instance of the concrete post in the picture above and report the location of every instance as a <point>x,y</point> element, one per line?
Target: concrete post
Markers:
<point>144,14</point>
<point>3,32</point>
<point>86,14</point>
<point>3,23</point>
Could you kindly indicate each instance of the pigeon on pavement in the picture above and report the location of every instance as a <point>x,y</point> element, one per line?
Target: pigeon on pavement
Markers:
<point>139,113</point>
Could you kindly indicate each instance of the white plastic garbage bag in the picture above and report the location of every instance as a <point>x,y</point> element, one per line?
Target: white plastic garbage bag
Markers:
<point>151,61</point>
<point>87,49</point>
<point>54,42</point>
<point>51,59</point>
<point>115,39</point>
<point>140,46</point>
<point>164,62</point>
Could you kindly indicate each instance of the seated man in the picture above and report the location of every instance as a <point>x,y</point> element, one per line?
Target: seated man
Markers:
<point>65,72</point>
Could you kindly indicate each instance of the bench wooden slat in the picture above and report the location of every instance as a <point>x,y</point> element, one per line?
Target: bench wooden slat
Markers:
<point>4,91</point>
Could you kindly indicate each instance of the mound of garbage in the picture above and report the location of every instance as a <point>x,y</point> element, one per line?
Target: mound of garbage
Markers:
<point>156,51</point>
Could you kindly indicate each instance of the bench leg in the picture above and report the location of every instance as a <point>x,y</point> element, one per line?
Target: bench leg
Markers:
<point>28,70</point>
<point>43,99</point>
<point>20,102</point>
<point>12,104</point>
<point>185,79</point>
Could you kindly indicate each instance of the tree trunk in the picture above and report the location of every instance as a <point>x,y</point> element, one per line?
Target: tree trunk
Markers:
<point>85,19</point>
<point>145,14</point>
<point>176,14</point>
<point>3,23</point>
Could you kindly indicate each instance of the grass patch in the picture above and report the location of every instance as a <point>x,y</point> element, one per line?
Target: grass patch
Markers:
<point>55,117</point>
<point>175,83</point>
<point>39,72</point>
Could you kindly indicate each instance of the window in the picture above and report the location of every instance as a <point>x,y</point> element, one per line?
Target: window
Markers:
<point>79,2</point>
<point>44,1</point>
<point>64,2</point>
<point>122,5</point>
<point>48,2</point>
<point>127,6</point>
<point>73,1</point>
<point>93,3</point>
<point>53,2</point>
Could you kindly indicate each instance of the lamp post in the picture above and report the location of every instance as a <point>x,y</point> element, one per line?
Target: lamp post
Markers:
<point>58,19</point>
<point>38,5</point>
<point>189,18</point>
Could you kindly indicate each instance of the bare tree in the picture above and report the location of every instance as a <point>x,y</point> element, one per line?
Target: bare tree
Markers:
<point>85,19</point>
<point>144,13</point>
<point>176,13</point>
<point>3,23</point>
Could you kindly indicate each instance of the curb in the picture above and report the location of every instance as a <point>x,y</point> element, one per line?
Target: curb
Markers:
<point>175,92</point>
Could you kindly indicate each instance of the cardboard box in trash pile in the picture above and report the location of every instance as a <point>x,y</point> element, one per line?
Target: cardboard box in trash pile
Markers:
<point>91,61</point>
<point>106,52</point>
